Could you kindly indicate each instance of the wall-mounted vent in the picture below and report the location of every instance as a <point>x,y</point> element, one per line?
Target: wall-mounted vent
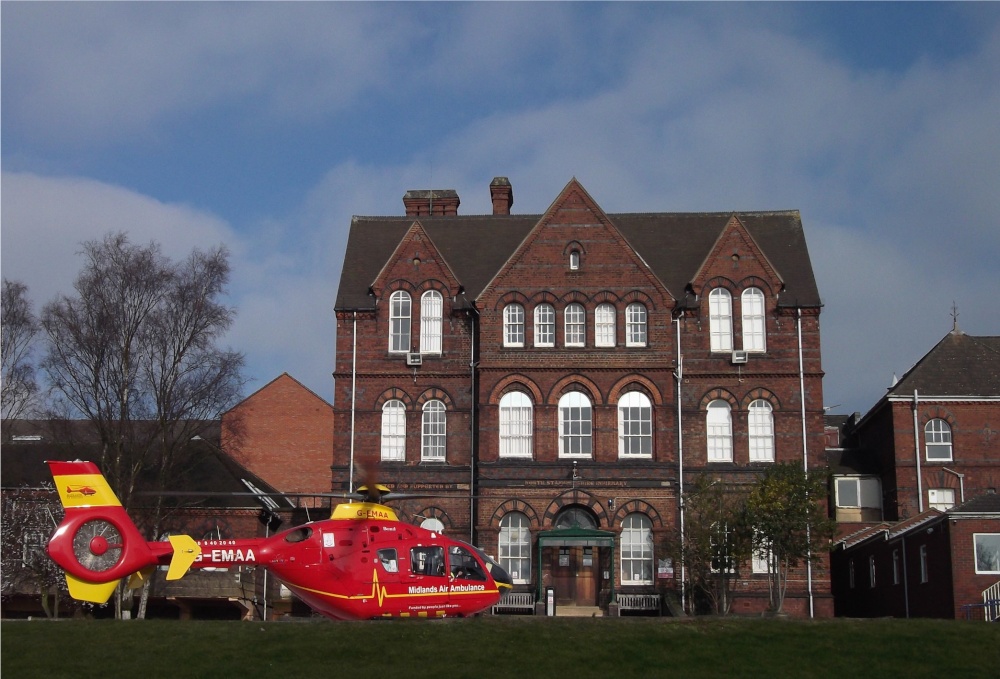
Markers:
<point>414,359</point>
<point>740,357</point>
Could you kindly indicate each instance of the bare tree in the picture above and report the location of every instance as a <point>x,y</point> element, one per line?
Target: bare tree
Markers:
<point>18,329</point>
<point>29,516</point>
<point>135,353</point>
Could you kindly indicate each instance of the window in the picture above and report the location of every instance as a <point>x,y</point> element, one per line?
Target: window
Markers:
<point>545,325</point>
<point>463,565</point>
<point>604,326</point>
<point>754,337</point>
<point>855,492</point>
<point>937,436</point>
<point>761,559</point>
<point>850,573</point>
<point>761,423</point>
<point>574,260</point>
<point>637,550</point>
<point>399,321</point>
<point>513,325</point>
<point>721,548</point>
<point>941,498</point>
<point>895,566</point>
<point>394,431</point>
<point>720,319</point>
<point>924,575</point>
<point>516,426</point>
<point>987,546</point>
<point>871,572</point>
<point>635,325</point>
<point>720,432</point>
<point>427,561</point>
<point>635,425</point>
<point>387,557</point>
<point>575,425</point>
<point>576,325</point>
<point>432,524</point>
<point>430,322</point>
<point>433,431</point>
<point>515,546</point>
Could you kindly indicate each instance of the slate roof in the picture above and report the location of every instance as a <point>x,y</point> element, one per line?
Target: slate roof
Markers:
<point>958,365</point>
<point>674,245</point>
<point>987,503</point>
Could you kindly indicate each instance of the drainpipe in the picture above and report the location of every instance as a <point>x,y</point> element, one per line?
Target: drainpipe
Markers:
<point>916,454</point>
<point>354,391</point>
<point>679,376</point>
<point>961,481</point>
<point>906,581</point>
<point>472,427</point>
<point>805,457</point>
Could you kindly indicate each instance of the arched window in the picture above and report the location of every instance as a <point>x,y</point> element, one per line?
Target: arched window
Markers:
<point>635,425</point>
<point>937,437</point>
<point>515,546</point>
<point>637,550</point>
<point>635,325</point>
<point>513,325</point>
<point>604,325</point>
<point>516,426</point>
<point>720,319</point>
<point>574,260</point>
<point>433,432</point>
<point>761,425</point>
<point>545,325</point>
<point>719,424</point>
<point>576,325</point>
<point>431,309</point>
<point>754,335</point>
<point>575,425</point>
<point>399,321</point>
<point>394,430</point>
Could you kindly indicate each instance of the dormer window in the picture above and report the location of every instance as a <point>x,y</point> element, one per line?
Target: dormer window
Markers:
<point>574,260</point>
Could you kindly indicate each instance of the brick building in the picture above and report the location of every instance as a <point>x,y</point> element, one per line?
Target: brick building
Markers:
<point>926,459</point>
<point>557,379</point>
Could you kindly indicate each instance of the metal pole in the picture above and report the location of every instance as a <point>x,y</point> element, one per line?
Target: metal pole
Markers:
<point>916,454</point>
<point>805,459</point>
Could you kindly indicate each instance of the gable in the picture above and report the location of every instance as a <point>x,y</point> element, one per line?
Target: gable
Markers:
<point>417,261</point>
<point>737,257</point>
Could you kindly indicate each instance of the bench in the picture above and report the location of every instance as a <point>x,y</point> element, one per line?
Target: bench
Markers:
<point>515,602</point>
<point>638,603</point>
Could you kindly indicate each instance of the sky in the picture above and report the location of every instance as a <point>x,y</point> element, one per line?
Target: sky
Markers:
<point>265,126</point>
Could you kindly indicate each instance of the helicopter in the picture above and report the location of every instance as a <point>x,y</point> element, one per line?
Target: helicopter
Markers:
<point>361,563</point>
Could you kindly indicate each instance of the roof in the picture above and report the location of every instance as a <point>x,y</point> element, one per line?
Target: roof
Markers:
<point>987,503</point>
<point>674,245</point>
<point>959,365</point>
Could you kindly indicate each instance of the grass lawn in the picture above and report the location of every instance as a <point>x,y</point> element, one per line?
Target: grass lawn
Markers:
<point>486,647</point>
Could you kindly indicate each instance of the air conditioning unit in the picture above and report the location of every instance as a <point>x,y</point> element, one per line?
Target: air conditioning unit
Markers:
<point>740,357</point>
<point>414,359</point>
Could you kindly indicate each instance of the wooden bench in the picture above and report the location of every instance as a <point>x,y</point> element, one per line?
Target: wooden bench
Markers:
<point>515,602</point>
<point>638,603</point>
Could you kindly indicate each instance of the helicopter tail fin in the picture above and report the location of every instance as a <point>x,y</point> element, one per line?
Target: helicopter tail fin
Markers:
<point>97,544</point>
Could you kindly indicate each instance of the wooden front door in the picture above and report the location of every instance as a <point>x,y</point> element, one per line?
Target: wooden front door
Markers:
<point>574,575</point>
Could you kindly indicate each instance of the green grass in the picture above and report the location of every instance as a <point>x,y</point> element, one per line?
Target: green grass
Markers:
<point>486,647</point>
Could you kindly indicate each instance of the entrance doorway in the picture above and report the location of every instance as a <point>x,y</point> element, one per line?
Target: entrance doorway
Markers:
<point>573,559</point>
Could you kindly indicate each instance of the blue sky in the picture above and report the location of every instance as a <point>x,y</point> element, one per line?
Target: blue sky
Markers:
<point>265,126</point>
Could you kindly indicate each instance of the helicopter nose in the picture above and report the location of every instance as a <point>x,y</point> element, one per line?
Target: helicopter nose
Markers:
<point>501,576</point>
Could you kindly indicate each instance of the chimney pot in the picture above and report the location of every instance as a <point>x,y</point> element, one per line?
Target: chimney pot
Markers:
<point>433,202</point>
<point>502,194</point>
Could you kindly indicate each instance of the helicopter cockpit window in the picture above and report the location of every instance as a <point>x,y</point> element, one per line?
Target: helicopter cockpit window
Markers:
<point>387,557</point>
<point>427,560</point>
<point>299,534</point>
<point>464,565</point>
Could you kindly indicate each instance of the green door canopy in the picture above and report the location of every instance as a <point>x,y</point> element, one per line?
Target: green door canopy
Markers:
<point>576,537</point>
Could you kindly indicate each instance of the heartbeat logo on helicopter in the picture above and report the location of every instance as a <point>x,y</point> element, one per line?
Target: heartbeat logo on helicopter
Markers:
<point>328,564</point>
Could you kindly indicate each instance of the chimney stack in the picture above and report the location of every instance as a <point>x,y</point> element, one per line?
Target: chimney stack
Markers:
<point>434,202</point>
<point>502,194</point>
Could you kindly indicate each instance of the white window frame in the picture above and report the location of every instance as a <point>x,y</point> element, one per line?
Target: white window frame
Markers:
<point>516,425</point>
<point>720,320</point>
<point>636,555</point>
<point>515,546</point>
<point>431,314</point>
<point>719,431</point>
<point>393,441</point>
<point>867,490</point>
<point>754,325</point>
<point>574,260</point>
<point>635,325</point>
<point>513,325</point>
<point>576,426</point>
<point>925,575</point>
<point>433,431</point>
<point>937,437</point>
<point>987,555</point>
<point>635,425</point>
<point>941,498</point>
<point>400,309</point>
<point>605,329</point>
<point>760,421</point>
<point>895,566</point>
<point>545,325</point>
<point>575,325</point>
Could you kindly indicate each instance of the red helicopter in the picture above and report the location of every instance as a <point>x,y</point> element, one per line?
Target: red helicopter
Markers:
<point>361,563</point>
